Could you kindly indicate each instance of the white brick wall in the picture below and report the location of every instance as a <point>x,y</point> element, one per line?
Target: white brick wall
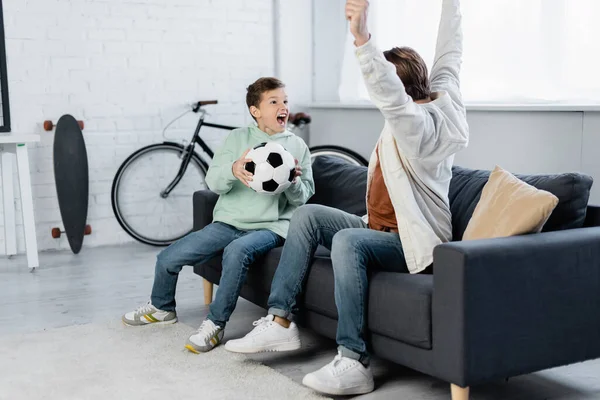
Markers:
<point>126,68</point>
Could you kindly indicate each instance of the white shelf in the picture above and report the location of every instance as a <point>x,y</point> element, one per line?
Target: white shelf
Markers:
<point>19,138</point>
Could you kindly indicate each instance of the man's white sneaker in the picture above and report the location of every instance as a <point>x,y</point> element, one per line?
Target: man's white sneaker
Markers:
<point>148,314</point>
<point>206,338</point>
<point>343,376</point>
<point>266,336</point>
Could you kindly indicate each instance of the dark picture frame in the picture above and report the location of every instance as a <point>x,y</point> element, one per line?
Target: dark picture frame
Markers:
<point>5,120</point>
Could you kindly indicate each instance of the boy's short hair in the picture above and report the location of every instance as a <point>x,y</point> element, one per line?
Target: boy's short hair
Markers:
<point>262,85</point>
<point>411,70</point>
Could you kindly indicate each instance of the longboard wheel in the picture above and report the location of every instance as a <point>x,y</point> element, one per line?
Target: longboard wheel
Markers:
<point>56,232</point>
<point>49,125</point>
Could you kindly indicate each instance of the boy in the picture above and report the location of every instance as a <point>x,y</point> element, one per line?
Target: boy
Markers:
<point>246,224</point>
<point>407,201</point>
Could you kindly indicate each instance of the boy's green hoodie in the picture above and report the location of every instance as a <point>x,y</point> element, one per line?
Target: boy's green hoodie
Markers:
<point>242,207</point>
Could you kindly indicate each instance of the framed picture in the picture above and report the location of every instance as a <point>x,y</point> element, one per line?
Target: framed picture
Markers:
<point>4,105</point>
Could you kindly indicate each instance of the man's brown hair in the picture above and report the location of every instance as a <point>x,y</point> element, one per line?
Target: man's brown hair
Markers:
<point>256,90</point>
<point>412,70</point>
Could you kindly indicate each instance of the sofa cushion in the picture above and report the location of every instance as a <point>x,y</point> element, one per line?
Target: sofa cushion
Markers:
<point>400,307</point>
<point>508,207</point>
<point>340,185</point>
<point>260,275</point>
<point>572,190</point>
<point>399,304</point>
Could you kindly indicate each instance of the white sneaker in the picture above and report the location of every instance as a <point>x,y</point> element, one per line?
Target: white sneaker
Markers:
<point>206,338</point>
<point>148,314</point>
<point>342,376</point>
<point>267,336</point>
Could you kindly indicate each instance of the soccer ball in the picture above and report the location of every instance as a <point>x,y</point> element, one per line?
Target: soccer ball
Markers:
<point>273,168</point>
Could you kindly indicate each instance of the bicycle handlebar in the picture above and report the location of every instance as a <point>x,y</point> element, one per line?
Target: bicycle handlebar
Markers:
<point>299,118</point>
<point>201,103</point>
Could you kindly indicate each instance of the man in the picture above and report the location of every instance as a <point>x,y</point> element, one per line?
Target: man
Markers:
<point>408,210</point>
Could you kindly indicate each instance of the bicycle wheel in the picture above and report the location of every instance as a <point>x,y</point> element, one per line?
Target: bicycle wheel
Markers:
<point>137,202</point>
<point>342,153</point>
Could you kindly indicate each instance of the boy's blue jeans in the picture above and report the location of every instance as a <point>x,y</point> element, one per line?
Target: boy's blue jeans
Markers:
<point>354,248</point>
<point>240,249</point>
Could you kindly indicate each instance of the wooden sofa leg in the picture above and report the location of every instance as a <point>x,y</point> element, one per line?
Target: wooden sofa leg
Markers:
<point>208,292</point>
<point>459,393</point>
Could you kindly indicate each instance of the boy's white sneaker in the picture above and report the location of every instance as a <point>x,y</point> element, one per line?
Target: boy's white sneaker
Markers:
<point>207,337</point>
<point>266,336</point>
<point>148,314</point>
<point>343,376</point>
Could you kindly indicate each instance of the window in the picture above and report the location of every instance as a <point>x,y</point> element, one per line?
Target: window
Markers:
<point>4,107</point>
<point>514,51</point>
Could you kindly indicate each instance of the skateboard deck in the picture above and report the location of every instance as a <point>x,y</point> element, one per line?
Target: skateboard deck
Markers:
<point>71,178</point>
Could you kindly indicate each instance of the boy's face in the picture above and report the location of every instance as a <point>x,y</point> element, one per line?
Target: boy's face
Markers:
<point>272,112</point>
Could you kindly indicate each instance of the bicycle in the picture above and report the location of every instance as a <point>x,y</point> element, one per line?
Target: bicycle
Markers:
<point>156,182</point>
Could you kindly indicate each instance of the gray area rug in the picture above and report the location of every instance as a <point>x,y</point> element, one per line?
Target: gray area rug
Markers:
<point>100,361</point>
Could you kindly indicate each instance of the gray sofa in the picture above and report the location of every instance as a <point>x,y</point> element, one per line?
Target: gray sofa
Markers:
<point>492,309</point>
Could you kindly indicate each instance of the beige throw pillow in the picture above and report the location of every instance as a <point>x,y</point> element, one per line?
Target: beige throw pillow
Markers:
<point>508,206</point>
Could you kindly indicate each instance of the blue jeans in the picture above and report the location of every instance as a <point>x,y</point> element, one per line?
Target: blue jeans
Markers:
<point>354,248</point>
<point>240,249</point>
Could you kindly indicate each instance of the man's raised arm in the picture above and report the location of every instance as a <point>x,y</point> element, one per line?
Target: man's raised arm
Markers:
<point>445,73</point>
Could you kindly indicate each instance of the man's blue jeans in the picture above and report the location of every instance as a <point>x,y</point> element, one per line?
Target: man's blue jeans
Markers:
<point>240,249</point>
<point>354,248</point>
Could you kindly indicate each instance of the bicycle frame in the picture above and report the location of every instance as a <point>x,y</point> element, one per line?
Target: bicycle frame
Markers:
<point>198,139</point>
<point>189,152</point>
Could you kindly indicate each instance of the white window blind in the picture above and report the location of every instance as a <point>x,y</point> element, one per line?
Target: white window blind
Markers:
<point>514,51</point>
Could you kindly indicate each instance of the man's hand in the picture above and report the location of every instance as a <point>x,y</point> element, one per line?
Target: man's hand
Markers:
<point>298,172</point>
<point>239,171</point>
<point>356,13</point>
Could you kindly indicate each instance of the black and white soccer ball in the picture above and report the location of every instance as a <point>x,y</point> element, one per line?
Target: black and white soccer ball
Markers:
<point>273,168</point>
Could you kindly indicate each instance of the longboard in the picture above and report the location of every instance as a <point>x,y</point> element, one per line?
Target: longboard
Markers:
<point>71,179</point>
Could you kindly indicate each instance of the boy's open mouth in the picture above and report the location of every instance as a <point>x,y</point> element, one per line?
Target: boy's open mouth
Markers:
<point>281,117</point>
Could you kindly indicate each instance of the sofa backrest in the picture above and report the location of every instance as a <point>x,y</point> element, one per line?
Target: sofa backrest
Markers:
<point>340,185</point>
<point>344,186</point>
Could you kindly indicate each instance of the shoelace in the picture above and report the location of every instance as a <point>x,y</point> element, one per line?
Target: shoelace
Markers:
<point>144,309</point>
<point>345,364</point>
<point>261,324</point>
<point>336,360</point>
<point>206,329</point>
<point>261,321</point>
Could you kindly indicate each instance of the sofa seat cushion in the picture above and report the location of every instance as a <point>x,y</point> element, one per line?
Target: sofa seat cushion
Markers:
<point>400,307</point>
<point>260,274</point>
<point>399,304</point>
<point>572,190</point>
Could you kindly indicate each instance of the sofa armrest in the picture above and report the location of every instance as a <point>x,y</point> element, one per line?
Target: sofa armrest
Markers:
<point>204,202</point>
<point>592,217</point>
<point>509,306</point>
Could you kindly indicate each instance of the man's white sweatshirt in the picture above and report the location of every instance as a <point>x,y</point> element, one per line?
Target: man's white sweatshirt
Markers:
<point>419,141</point>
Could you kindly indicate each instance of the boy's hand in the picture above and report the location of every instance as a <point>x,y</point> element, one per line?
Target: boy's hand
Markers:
<point>239,171</point>
<point>356,13</point>
<point>298,172</point>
